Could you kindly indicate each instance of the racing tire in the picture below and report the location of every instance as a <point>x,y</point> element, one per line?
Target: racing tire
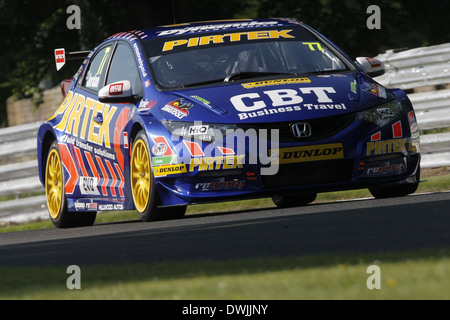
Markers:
<point>60,216</point>
<point>143,184</point>
<point>291,201</point>
<point>171,213</point>
<point>393,191</point>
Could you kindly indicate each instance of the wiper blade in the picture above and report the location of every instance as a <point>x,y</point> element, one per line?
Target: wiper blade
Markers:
<point>324,72</point>
<point>203,83</point>
<point>253,74</point>
<point>236,76</point>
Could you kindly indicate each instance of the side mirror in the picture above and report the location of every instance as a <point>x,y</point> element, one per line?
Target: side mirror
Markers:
<point>119,91</point>
<point>373,67</point>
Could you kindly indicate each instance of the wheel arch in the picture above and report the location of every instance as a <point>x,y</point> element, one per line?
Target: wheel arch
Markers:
<point>135,129</point>
<point>45,145</point>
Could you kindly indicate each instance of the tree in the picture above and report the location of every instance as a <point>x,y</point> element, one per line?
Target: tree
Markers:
<point>412,23</point>
<point>30,30</point>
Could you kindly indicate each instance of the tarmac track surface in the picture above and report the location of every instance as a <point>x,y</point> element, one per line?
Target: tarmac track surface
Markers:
<point>363,226</point>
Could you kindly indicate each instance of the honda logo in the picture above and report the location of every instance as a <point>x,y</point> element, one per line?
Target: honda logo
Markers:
<point>301,130</point>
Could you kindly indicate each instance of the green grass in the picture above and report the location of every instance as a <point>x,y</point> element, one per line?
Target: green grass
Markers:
<point>404,275</point>
<point>419,275</point>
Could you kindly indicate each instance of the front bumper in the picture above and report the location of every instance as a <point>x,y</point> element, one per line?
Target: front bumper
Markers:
<point>360,156</point>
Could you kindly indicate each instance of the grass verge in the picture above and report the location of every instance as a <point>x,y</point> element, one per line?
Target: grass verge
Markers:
<point>407,275</point>
<point>404,275</point>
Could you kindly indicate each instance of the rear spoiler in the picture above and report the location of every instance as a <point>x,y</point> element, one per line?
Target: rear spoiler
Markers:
<point>61,56</point>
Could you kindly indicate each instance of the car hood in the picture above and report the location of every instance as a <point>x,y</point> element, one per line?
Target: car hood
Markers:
<point>276,100</point>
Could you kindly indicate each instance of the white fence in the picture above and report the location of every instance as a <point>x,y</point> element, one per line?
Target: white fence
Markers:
<point>407,70</point>
<point>417,69</point>
<point>19,175</point>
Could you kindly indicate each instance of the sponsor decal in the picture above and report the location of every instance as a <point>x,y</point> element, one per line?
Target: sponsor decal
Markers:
<point>353,86</point>
<point>146,105</point>
<point>386,169</point>
<point>198,130</point>
<point>79,116</point>
<point>178,108</point>
<point>110,207</point>
<point>84,140</point>
<point>161,147</point>
<point>202,100</point>
<point>251,176</point>
<point>227,38</point>
<point>221,185</point>
<point>385,113</point>
<point>375,89</point>
<point>92,206</point>
<point>162,161</point>
<point>251,105</point>
<point>169,170</point>
<point>381,147</point>
<point>374,63</point>
<point>140,60</point>
<point>231,24</point>
<point>313,46</point>
<point>80,206</point>
<point>310,153</point>
<point>88,185</point>
<point>217,163</point>
<point>85,206</point>
<point>116,89</point>
<point>275,82</point>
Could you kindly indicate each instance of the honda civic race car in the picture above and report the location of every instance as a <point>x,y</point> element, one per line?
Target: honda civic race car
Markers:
<point>158,119</point>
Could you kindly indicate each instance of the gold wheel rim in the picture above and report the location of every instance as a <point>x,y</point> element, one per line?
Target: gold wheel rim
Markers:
<point>140,176</point>
<point>54,184</point>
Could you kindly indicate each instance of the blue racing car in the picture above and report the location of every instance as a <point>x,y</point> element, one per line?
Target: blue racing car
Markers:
<point>158,119</point>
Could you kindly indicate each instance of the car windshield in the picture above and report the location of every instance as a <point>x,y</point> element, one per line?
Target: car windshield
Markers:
<point>192,60</point>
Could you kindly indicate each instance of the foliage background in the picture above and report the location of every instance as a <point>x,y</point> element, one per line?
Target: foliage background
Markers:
<point>30,30</point>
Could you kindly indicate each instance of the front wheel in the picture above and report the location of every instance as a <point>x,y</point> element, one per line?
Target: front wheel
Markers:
<point>394,191</point>
<point>297,200</point>
<point>399,190</point>
<point>143,184</point>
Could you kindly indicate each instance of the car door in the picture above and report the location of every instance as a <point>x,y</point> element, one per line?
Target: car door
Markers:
<point>99,148</point>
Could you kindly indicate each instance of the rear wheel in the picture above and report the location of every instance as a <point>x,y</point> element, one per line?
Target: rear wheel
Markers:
<point>56,197</point>
<point>143,184</point>
<point>297,200</point>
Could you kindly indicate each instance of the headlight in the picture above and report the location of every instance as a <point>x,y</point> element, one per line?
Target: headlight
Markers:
<point>207,132</point>
<point>383,114</point>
